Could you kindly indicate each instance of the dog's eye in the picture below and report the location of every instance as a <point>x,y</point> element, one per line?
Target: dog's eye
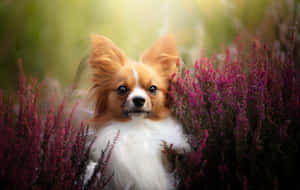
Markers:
<point>122,90</point>
<point>152,89</point>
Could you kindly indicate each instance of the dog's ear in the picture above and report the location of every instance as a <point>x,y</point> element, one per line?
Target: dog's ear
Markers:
<point>105,58</point>
<point>162,56</point>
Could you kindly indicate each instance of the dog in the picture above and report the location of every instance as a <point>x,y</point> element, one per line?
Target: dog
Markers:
<point>131,99</point>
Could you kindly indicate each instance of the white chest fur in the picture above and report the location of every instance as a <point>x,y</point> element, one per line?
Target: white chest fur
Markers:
<point>136,158</point>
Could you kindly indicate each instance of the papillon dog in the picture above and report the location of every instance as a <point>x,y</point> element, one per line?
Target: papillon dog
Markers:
<point>131,100</point>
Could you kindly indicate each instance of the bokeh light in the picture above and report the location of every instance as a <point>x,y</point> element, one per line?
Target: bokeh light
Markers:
<point>51,37</point>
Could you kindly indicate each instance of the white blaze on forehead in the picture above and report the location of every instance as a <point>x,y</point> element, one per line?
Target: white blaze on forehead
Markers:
<point>136,76</point>
<point>137,91</point>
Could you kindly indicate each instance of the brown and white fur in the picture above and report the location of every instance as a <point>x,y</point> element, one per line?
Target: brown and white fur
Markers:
<point>131,97</point>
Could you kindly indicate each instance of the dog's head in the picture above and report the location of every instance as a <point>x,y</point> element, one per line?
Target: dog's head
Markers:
<point>123,88</point>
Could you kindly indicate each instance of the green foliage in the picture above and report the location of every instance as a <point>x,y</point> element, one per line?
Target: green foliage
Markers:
<point>53,36</point>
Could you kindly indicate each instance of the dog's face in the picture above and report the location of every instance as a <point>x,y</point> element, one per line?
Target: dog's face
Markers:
<point>124,89</point>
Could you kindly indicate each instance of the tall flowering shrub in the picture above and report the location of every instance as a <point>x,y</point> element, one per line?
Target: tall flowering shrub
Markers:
<point>44,150</point>
<point>243,119</point>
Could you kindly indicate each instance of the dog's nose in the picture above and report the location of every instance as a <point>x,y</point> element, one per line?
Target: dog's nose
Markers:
<point>138,101</point>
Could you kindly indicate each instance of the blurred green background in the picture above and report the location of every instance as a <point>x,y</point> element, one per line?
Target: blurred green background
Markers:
<point>51,37</point>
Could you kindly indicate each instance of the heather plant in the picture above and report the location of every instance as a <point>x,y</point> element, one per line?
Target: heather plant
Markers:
<point>44,149</point>
<point>242,114</point>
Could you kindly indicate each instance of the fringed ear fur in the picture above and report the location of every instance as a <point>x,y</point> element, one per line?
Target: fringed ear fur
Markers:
<point>163,56</point>
<point>105,60</point>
